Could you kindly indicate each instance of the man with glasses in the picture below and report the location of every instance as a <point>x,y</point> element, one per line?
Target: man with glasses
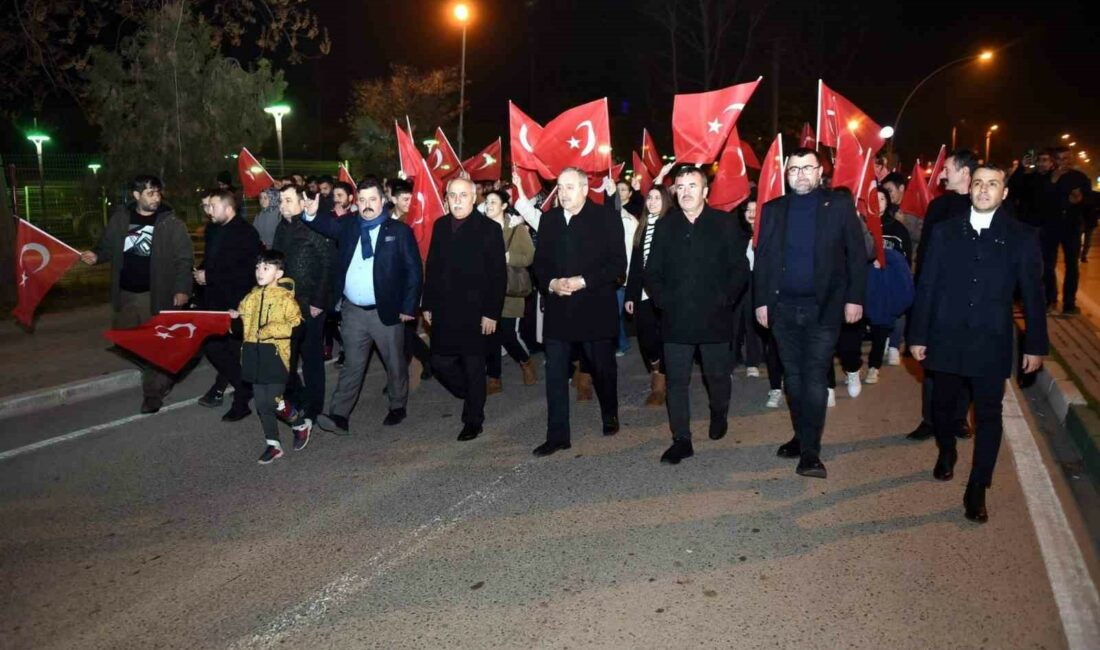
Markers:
<point>809,276</point>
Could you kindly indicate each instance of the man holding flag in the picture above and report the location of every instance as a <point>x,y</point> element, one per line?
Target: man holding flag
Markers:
<point>151,259</point>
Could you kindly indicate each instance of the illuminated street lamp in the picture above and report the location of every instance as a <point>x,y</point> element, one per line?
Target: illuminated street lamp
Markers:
<point>462,15</point>
<point>278,111</point>
<point>95,167</point>
<point>39,138</point>
<point>1065,136</point>
<point>985,56</point>
<point>988,137</point>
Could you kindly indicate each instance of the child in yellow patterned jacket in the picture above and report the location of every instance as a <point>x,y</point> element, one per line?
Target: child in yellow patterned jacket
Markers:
<point>269,314</point>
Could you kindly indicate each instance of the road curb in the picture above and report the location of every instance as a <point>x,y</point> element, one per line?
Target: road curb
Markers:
<point>1083,425</point>
<point>76,391</point>
<point>1059,389</point>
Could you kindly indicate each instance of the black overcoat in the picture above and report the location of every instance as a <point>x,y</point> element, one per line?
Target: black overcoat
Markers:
<point>229,260</point>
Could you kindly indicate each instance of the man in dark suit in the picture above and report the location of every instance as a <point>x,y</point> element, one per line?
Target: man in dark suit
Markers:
<point>962,324</point>
<point>379,278</point>
<point>809,277</point>
<point>464,283</point>
<point>227,274</point>
<point>578,262</point>
<point>696,271</point>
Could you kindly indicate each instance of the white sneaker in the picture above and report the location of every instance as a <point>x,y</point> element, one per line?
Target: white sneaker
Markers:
<point>773,398</point>
<point>854,385</point>
<point>752,371</point>
<point>872,376</point>
<point>832,398</point>
<point>893,357</point>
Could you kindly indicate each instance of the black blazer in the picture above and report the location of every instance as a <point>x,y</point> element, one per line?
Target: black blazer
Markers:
<point>591,246</point>
<point>398,272</point>
<point>963,307</point>
<point>840,257</point>
<point>309,261</point>
<point>229,259</point>
<point>464,281</point>
<point>695,274</point>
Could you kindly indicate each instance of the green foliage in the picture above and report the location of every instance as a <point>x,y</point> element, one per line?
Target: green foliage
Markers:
<point>169,103</point>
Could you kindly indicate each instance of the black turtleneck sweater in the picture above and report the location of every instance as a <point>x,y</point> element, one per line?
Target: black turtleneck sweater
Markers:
<point>798,247</point>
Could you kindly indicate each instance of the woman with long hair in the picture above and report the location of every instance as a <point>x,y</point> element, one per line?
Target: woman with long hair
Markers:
<point>658,202</point>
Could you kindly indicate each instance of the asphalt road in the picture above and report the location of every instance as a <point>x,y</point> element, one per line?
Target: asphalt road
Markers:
<point>164,532</point>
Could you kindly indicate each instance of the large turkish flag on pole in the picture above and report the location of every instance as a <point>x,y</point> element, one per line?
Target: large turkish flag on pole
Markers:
<point>866,196</point>
<point>917,197</point>
<point>486,165</point>
<point>650,156</point>
<point>749,156</point>
<point>701,122</point>
<point>529,180</point>
<point>580,137</point>
<point>641,172</point>
<point>344,176</point>
<point>442,159</point>
<point>849,164</point>
<point>40,261</point>
<point>773,182</point>
<point>171,338</point>
<point>807,140</point>
<point>254,178</point>
<point>425,208</point>
<point>835,113</point>
<point>935,190</point>
<point>524,135</point>
<point>731,184</point>
<point>407,153</point>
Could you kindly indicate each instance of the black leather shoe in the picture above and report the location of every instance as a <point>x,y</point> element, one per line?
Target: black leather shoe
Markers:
<point>151,405</point>
<point>945,464</point>
<point>679,450</point>
<point>236,413</point>
<point>790,449</point>
<point>333,423</point>
<point>212,399</point>
<point>974,503</point>
<point>469,432</point>
<point>611,425</point>
<point>811,466</point>
<point>394,417</point>
<point>922,432</point>
<point>718,428</point>
<point>964,432</point>
<point>426,373</point>
<point>547,448</point>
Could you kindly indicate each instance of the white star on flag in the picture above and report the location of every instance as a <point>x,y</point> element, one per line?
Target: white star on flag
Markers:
<point>574,143</point>
<point>714,126</point>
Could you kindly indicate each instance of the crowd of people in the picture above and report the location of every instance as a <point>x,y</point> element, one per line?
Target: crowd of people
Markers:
<point>324,266</point>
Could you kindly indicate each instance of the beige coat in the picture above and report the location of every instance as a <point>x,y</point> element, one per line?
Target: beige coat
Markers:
<point>521,253</point>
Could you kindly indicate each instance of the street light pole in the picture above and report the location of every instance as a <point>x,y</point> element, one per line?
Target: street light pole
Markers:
<point>462,15</point>
<point>985,56</point>
<point>988,137</point>
<point>38,138</point>
<point>278,111</point>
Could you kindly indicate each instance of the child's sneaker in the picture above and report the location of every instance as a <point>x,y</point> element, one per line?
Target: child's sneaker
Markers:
<point>872,376</point>
<point>271,453</point>
<point>286,412</point>
<point>301,434</point>
<point>774,396</point>
<point>752,371</point>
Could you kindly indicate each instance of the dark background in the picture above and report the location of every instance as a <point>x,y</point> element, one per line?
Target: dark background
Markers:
<point>549,55</point>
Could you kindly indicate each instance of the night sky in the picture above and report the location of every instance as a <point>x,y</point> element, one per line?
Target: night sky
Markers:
<point>549,55</point>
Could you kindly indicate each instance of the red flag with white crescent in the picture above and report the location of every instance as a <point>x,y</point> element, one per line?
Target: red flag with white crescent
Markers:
<point>807,140</point>
<point>866,196</point>
<point>442,159</point>
<point>773,183</point>
<point>40,261</point>
<point>344,176</point>
<point>548,202</point>
<point>171,338</point>
<point>524,135</point>
<point>749,156</point>
<point>917,197</point>
<point>935,189</point>
<point>596,182</point>
<point>731,184</point>
<point>424,209</point>
<point>254,178</point>
<point>580,137</point>
<point>835,114</point>
<point>529,180</point>
<point>701,122</point>
<point>849,163</point>
<point>641,172</point>
<point>650,155</point>
<point>486,165</point>
<point>407,153</point>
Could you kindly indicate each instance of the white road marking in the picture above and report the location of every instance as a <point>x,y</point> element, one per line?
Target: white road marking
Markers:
<point>1074,591</point>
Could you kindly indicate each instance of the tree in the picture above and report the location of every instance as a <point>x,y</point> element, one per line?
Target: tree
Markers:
<point>429,99</point>
<point>168,102</point>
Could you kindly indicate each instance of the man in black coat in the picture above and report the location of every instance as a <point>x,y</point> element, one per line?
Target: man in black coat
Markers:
<point>962,325</point>
<point>309,262</point>
<point>809,278</point>
<point>696,271</point>
<point>464,283</point>
<point>578,262</point>
<point>227,274</point>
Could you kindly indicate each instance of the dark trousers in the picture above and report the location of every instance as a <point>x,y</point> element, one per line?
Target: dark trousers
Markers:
<point>224,353</point>
<point>505,336</point>
<point>879,334</point>
<point>528,325</point>
<point>928,390</point>
<point>464,376</point>
<point>849,348</point>
<point>600,357</point>
<point>717,361</point>
<point>806,351</point>
<point>1089,229</point>
<point>266,395</point>
<point>415,346</point>
<point>748,346</point>
<point>1069,240</point>
<point>987,394</point>
<point>771,358</point>
<point>307,345</point>
<point>647,321</point>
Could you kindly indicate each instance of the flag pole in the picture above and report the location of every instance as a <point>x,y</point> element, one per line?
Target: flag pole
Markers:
<point>817,134</point>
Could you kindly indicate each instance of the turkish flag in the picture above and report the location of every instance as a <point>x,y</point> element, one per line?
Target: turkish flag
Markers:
<point>171,338</point>
<point>344,176</point>
<point>650,156</point>
<point>849,164</point>
<point>486,165</point>
<point>807,140</point>
<point>596,182</point>
<point>916,198</point>
<point>425,208</point>
<point>731,184</point>
<point>40,261</point>
<point>407,152</point>
<point>866,196</point>
<point>529,180</point>
<point>641,172</point>
<point>773,183</point>
<point>254,178</point>
<point>701,122</point>
<point>548,202</point>
<point>580,137</point>
<point>935,190</point>
<point>442,159</point>
<point>524,137</point>
<point>835,114</point>
<point>749,156</point>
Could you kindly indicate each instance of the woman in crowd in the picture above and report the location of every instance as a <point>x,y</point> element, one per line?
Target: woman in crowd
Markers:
<point>889,288</point>
<point>746,336</point>
<point>657,204</point>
